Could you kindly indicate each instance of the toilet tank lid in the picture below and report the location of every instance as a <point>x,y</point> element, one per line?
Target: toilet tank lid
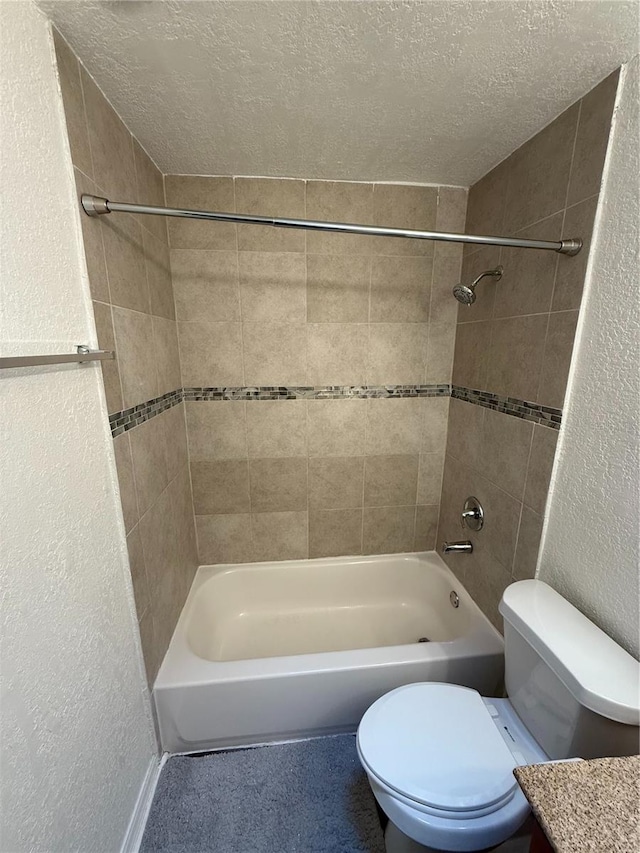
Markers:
<point>600,675</point>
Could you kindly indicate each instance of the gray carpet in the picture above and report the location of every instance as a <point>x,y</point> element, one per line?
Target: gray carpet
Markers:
<point>305,797</point>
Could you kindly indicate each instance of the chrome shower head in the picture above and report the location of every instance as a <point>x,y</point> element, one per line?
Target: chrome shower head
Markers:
<point>466,293</point>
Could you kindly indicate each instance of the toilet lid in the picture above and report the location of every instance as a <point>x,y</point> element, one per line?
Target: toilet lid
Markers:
<point>437,744</point>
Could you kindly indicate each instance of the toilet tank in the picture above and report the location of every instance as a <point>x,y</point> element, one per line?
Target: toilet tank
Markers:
<point>575,689</point>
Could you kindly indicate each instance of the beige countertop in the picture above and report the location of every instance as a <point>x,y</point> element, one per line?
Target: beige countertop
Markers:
<point>586,806</point>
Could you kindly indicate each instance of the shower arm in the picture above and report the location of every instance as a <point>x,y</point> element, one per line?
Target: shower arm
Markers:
<point>96,206</point>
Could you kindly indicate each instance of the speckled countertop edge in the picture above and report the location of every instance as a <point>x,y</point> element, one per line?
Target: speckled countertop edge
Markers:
<point>586,806</point>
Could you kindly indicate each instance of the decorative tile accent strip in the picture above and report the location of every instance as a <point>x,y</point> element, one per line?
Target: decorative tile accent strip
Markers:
<point>324,392</point>
<point>129,418</point>
<point>544,415</point>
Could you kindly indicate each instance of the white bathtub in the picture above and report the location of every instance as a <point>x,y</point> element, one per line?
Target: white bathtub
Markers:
<point>271,651</point>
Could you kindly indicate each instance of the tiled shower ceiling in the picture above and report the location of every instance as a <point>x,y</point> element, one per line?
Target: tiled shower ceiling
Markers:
<point>426,92</point>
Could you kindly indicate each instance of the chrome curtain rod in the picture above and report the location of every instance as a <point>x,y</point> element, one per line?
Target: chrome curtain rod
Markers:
<point>95,206</point>
<point>82,355</point>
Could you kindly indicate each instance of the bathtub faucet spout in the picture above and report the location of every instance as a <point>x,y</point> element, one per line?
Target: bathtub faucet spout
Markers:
<point>455,547</point>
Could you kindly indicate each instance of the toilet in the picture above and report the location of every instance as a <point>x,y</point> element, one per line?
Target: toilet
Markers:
<point>440,757</point>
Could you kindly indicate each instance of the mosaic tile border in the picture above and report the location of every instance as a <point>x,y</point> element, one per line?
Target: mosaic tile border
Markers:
<point>544,415</point>
<point>129,418</point>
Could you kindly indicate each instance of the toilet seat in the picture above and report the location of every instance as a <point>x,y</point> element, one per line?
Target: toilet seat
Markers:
<point>435,748</point>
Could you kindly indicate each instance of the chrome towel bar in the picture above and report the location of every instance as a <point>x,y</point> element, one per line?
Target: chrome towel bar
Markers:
<point>82,355</point>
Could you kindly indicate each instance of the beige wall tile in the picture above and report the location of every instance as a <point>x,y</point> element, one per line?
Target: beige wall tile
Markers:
<point>175,431</point>
<point>224,538</point>
<point>515,358</point>
<point>475,263</point>
<point>426,527</point>
<point>205,284</point>
<point>440,351</point>
<point>557,358</point>
<point>526,286</point>
<point>148,451</point>
<point>447,262</point>
<point>430,478</point>
<point>149,191</point>
<point>473,343</point>
<point>487,584</point>
<point>270,197</point>
<point>274,353</point>
<point>92,240</point>
<point>210,354</point>
<point>220,487</point>
<point>334,201</point>
<point>136,356</point>
<point>277,428</point>
<point>182,510</point>
<point>592,138</point>
<point>394,426</point>
<point>336,482</point>
<point>338,288</point>
<point>502,514</point>
<point>336,427</point>
<point>71,87</point>
<point>217,430</point>
<point>526,558</point>
<point>487,202</point>
<point>452,210</point>
<point>273,286</point>
<point>278,485</point>
<point>390,480</point>
<point>156,254</point>
<point>388,529</point>
<point>397,353</point>
<point>110,371</point>
<point>465,432</point>
<point>543,449</point>
<point>149,647</point>
<point>200,193</point>
<point>407,207</point>
<point>335,533</point>
<point>578,222</point>
<point>504,455</point>
<point>400,289</point>
<point>280,535</point>
<point>337,353</point>
<point>165,339</point>
<point>125,258</point>
<point>435,414</point>
<point>540,173</point>
<point>138,572</point>
<point>111,145</point>
<point>126,481</point>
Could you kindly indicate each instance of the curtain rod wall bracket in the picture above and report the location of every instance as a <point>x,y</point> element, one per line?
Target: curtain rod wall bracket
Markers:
<point>96,206</point>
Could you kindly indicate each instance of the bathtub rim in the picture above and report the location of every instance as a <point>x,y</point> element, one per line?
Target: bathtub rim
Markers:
<point>181,667</point>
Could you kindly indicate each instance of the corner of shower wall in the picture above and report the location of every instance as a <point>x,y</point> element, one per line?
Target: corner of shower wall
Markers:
<point>130,279</point>
<point>514,344</point>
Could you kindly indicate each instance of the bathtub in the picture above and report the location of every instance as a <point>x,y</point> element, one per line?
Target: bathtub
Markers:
<point>274,651</point>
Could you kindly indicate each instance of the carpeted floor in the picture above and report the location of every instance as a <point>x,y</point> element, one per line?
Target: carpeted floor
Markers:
<point>305,797</point>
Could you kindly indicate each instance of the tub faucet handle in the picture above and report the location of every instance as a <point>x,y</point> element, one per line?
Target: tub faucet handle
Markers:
<point>457,547</point>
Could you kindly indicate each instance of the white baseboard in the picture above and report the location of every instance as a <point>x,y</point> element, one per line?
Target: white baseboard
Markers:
<point>135,830</point>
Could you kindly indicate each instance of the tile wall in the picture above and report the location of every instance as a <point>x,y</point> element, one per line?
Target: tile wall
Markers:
<point>516,342</point>
<point>259,307</point>
<point>129,274</point>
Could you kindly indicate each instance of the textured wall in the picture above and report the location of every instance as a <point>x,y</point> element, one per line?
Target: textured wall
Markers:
<point>77,737</point>
<point>129,274</point>
<point>591,549</point>
<point>258,306</point>
<point>515,341</point>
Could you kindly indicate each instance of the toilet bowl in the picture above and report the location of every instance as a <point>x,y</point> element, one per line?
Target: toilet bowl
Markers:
<point>466,797</point>
<point>440,757</point>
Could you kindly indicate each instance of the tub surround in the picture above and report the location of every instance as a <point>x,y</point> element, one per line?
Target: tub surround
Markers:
<point>514,344</point>
<point>586,805</point>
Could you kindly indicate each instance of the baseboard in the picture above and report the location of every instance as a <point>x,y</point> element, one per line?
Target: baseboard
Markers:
<point>135,830</point>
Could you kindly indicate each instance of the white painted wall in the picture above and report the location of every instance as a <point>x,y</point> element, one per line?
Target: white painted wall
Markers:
<point>591,548</point>
<point>76,731</point>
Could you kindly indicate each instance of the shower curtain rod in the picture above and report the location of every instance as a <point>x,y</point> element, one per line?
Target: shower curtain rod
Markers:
<point>95,206</point>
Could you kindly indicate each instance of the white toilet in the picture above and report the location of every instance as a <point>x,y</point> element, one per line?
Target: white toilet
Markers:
<point>440,757</point>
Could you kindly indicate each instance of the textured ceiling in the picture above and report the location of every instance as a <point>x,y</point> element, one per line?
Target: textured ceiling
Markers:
<point>428,92</point>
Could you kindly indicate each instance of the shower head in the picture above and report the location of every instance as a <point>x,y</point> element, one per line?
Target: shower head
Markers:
<point>466,293</point>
